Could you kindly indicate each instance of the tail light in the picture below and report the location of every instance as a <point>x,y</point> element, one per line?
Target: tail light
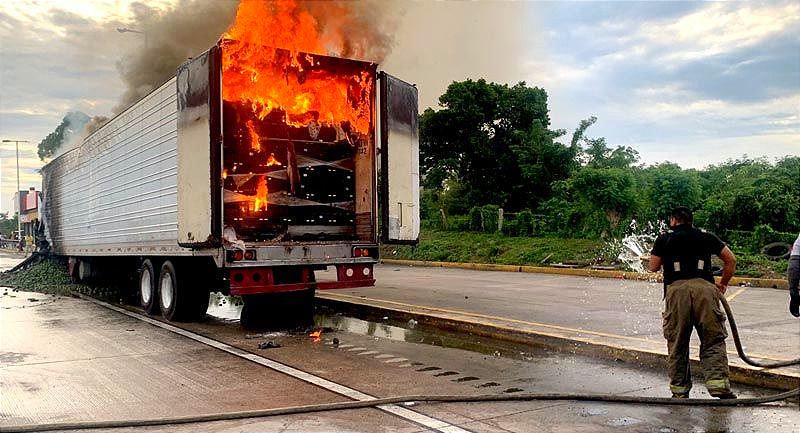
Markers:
<point>250,255</point>
<point>365,252</point>
<point>234,255</point>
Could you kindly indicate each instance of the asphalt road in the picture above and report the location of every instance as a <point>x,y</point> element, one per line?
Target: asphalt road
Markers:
<point>69,360</point>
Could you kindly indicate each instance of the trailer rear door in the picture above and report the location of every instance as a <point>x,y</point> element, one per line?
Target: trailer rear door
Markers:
<point>399,131</point>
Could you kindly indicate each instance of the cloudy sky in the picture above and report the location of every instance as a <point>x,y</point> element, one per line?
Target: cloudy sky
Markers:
<point>687,82</point>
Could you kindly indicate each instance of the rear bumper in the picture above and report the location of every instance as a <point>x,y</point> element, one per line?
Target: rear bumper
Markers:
<point>252,280</point>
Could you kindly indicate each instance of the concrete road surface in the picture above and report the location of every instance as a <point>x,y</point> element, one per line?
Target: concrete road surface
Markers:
<point>71,360</point>
<point>623,313</point>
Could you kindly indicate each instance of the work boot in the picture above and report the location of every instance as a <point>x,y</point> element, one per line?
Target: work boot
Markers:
<point>794,305</point>
<point>723,395</point>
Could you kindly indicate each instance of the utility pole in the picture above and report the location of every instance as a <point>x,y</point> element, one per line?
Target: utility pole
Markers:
<point>19,197</point>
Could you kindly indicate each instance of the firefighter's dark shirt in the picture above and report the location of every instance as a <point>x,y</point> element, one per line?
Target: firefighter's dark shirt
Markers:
<point>685,253</point>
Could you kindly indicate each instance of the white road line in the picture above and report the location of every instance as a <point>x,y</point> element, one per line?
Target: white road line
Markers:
<point>369,352</point>
<point>356,349</point>
<point>408,414</point>
<point>384,356</point>
<point>394,360</point>
<point>345,346</point>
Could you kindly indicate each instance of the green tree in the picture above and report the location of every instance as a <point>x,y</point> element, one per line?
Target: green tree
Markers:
<point>7,225</point>
<point>671,186</point>
<point>471,139</point>
<point>609,190</point>
<point>71,124</point>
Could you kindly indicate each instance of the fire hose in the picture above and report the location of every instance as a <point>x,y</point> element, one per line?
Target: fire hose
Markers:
<point>602,398</point>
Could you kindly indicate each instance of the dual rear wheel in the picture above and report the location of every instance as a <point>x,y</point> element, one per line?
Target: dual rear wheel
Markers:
<point>175,291</point>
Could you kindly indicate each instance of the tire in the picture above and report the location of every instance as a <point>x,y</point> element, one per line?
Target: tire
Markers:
<point>148,287</point>
<point>777,250</point>
<point>181,297</point>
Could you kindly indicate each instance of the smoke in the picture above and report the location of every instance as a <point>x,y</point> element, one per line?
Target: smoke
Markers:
<point>80,126</point>
<point>358,29</point>
<point>170,37</point>
<point>444,41</point>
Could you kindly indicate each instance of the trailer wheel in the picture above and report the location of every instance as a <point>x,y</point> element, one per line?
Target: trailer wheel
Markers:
<point>171,293</point>
<point>148,287</point>
<point>180,298</point>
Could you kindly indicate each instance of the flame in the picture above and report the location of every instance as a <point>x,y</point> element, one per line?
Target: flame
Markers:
<point>272,161</point>
<point>315,334</point>
<point>288,79</point>
<point>255,140</point>
<point>261,194</point>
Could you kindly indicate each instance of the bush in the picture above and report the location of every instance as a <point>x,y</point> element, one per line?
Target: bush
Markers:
<point>511,227</point>
<point>458,223</point>
<point>489,216</point>
<point>475,219</point>
<point>525,223</point>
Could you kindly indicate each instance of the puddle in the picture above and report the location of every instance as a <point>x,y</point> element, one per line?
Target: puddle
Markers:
<point>229,308</point>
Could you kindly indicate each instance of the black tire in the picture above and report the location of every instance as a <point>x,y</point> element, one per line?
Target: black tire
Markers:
<point>148,287</point>
<point>777,250</point>
<point>181,297</point>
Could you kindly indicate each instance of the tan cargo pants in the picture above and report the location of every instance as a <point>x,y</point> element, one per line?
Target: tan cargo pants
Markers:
<point>695,303</point>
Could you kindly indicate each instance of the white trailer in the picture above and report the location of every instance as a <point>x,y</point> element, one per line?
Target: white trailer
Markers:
<point>196,192</point>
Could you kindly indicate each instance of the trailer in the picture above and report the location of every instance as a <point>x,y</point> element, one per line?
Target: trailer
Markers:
<point>249,170</point>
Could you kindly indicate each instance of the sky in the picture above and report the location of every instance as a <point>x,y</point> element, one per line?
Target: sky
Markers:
<point>692,83</point>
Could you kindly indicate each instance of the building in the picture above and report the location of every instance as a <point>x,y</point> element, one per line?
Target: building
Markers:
<point>26,205</point>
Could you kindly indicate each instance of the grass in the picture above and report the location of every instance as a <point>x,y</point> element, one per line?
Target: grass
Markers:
<point>496,248</point>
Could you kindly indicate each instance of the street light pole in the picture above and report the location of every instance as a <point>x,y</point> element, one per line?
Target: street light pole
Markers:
<point>19,197</point>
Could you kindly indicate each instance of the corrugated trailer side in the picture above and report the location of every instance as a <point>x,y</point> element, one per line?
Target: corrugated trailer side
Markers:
<point>116,193</point>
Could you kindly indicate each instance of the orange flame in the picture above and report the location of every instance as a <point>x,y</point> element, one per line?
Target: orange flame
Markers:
<point>283,79</point>
<point>315,335</point>
<point>255,140</point>
<point>261,195</point>
<point>272,161</point>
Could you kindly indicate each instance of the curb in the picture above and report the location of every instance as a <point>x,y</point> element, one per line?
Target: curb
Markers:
<point>580,343</point>
<point>773,283</point>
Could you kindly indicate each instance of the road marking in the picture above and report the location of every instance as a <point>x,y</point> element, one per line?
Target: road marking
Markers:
<point>396,360</point>
<point>735,294</point>
<point>579,331</point>
<point>384,356</point>
<point>407,414</point>
<point>369,352</point>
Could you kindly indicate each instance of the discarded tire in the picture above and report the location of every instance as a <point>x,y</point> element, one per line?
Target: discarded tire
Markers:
<point>777,250</point>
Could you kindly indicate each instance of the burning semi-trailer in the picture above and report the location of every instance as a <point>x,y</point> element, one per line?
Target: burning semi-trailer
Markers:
<point>249,170</point>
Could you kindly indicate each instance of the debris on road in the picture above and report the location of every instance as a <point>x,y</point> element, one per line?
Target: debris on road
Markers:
<point>268,345</point>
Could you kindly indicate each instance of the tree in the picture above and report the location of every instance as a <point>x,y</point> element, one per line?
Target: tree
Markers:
<point>609,190</point>
<point>472,137</point>
<point>70,125</point>
<point>670,186</point>
<point>7,225</point>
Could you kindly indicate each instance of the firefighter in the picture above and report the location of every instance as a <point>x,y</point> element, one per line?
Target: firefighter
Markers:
<point>692,301</point>
<point>793,275</point>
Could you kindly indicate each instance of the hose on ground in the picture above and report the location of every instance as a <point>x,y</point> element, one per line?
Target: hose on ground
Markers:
<point>603,398</point>
<point>398,400</point>
<point>737,341</point>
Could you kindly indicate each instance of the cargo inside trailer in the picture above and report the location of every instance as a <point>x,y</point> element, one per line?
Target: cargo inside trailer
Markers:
<point>298,146</point>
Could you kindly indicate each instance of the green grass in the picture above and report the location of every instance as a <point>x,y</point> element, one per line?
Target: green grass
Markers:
<point>444,246</point>
<point>470,247</point>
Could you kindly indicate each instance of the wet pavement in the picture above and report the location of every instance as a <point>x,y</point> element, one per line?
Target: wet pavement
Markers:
<point>623,314</point>
<point>66,359</point>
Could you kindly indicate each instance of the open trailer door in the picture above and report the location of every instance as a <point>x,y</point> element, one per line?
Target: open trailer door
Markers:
<point>399,141</point>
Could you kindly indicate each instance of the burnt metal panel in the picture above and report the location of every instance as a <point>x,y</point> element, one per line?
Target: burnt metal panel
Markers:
<point>199,147</point>
<point>399,172</point>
